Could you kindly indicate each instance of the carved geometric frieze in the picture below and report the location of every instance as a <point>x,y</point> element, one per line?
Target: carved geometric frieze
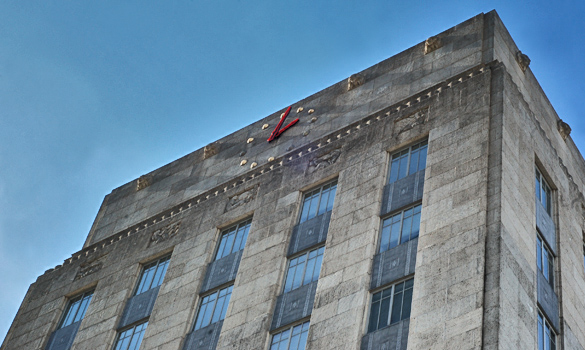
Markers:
<point>408,122</point>
<point>164,233</point>
<point>564,129</point>
<point>354,81</point>
<point>433,43</point>
<point>142,182</point>
<point>241,199</point>
<point>523,60</point>
<point>324,160</point>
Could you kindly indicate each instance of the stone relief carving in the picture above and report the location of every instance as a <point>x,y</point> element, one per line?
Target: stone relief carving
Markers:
<point>209,150</point>
<point>523,60</point>
<point>354,81</point>
<point>89,268</point>
<point>241,199</point>
<point>433,43</point>
<point>142,182</point>
<point>564,129</point>
<point>164,233</point>
<point>409,122</point>
<point>324,160</point>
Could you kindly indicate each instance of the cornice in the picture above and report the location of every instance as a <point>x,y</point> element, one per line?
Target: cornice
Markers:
<point>403,107</point>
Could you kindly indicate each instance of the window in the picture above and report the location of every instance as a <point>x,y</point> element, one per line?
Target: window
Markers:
<point>153,275</point>
<point>294,338</point>
<point>546,335</point>
<point>400,228</point>
<point>408,161</point>
<point>76,309</point>
<point>543,192</point>
<point>213,307</point>
<point>545,260</point>
<point>391,305</point>
<point>131,338</point>
<point>318,201</point>
<point>233,239</point>
<point>304,269</point>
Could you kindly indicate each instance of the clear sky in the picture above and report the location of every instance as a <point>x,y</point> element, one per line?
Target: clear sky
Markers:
<point>95,94</point>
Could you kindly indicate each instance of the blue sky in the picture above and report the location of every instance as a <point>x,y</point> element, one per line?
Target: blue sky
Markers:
<point>95,94</point>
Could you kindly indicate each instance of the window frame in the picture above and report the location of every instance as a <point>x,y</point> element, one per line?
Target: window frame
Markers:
<point>407,151</point>
<point>318,190</point>
<point>143,324</point>
<point>221,244</point>
<point>395,213</point>
<point>545,325</point>
<point>166,260</point>
<point>70,304</point>
<point>291,329</point>
<point>543,251</point>
<point>392,289</point>
<point>223,311</point>
<point>544,191</point>
<point>320,252</point>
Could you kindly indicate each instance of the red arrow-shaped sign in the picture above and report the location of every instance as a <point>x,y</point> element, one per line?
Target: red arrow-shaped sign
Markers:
<point>278,131</point>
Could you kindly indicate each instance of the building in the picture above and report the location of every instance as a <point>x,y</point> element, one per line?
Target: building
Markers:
<point>432,201</point>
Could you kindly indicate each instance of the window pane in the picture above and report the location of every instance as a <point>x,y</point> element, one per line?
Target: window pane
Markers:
<point>229,243</point>
<point>384,311</point>
<point>146,279</point>
<point>318,264</point>
<point>71,313</point>
<point>413,162</point>
<point>545,263</point>
<point>323,201</point>
<point>422,159</point>
<point>309,271</point>
<point>537,190</point>
<point>374,314</point>
<point>540,334</point>
<point>298,277</point>
<point>221,247</point>
<point>385,239</point>
<point>406,304</point>
<point>396,308</point>
<point>161,270</point>
<point>415,225</point>
<point>83,308</point>
<point>403,167</point>
<point>331,197</point>
<point>394,170</point>
<point>395,235</point>
<point>406,226</point>
<point>538,253</point>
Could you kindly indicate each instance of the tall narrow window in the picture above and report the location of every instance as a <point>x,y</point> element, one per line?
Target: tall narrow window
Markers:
<point>304,269</point>
<point>294,338</point>
<point>153,275</point>
<point>545,260</point>
<point>233,239</point>
<point>213,307</point>
<point>391,305</point>
<point>131,338</point>
<point>318,201</point>
<point>76,309</point>
<point>543,192</point>
<point>408,161</point>
<point>546,334</point>
<point>400,228</point>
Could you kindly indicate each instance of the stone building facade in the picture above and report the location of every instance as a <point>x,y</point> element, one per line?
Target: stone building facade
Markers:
<point>432,201</point>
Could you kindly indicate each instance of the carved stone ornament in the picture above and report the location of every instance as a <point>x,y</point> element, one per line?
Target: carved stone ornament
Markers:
<point>142,182</point>
<point>324,160</point>
<point>89,268</point>
<point>433,43</point>
<point>564,129</point>
<point>523,60</point>
<point>411,121</point>
<point>354,81</point>
<point>209,150</point>
<point>164,233</point>
<point>241,199</point>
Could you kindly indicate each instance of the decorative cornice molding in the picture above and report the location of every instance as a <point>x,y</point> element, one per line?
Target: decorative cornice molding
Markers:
<point>400,108</point>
